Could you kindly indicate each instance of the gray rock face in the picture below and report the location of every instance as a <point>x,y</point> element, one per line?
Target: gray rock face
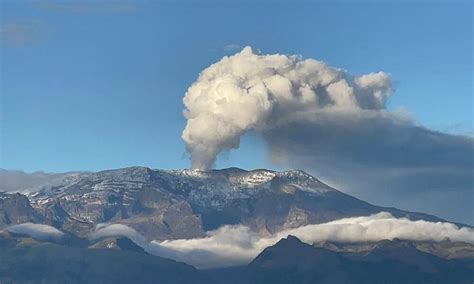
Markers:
<point>185,203</point>
<point>445,249</point>
<point>138,197</point>
<point>397,261</point>
<point>16,209</point>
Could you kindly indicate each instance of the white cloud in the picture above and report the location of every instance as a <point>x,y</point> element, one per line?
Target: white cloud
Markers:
<point>36,231</point>
<point>109,230</point>
<point>236,245</point>
<point>231,47</point>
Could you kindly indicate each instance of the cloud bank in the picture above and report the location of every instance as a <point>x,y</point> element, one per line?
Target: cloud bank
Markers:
<point>326,121</point>
<point>236,245</point>
<point>36,231</point>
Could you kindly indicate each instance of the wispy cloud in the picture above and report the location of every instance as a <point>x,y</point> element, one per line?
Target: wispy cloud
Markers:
<point>36,231</point>
<point>19,33</point>
<point>231,47</point>
<point>106,230</point>
<point>89,6</point>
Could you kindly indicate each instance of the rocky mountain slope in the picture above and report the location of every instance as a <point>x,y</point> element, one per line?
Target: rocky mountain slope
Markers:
<point>15,208</point>
<point>397,261</point>
<point>174,204</point>
<point>26,260</point>
<point>446,249</point>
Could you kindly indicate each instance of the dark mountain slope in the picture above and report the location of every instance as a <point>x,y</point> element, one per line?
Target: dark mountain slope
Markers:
<point>23,260</point>
<point>16,209</point>
<point>291,261</point>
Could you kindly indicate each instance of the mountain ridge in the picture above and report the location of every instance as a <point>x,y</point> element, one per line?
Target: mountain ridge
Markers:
<point>390,261</point>
<point>171,204</point>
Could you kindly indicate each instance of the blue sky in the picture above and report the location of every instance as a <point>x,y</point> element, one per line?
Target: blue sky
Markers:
<point>94,86</point>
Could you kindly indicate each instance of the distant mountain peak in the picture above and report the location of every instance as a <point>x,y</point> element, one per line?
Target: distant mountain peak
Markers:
<point>290,241</point>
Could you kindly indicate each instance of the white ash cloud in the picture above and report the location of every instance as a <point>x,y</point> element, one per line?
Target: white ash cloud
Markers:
<point>253,92</point>
<point>321,119</point>
<point>237,245</point>
<point>36,231</point>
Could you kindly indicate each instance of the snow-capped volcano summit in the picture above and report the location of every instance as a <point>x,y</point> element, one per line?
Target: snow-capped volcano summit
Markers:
<point>168,204</point>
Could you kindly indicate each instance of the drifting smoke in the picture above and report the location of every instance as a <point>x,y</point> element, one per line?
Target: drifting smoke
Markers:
<point>36,231</point>
<point>252,92</point>
<point>236,245</point>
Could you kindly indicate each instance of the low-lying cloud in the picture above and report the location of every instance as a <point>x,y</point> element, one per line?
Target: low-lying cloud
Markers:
<point>19,33</point>
<point>108,230</point>
<point>237,245</point>
<point>36,231</point>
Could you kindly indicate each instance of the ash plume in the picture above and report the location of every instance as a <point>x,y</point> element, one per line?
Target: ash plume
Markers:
<point>253,92</point>
<point>326,121</point>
